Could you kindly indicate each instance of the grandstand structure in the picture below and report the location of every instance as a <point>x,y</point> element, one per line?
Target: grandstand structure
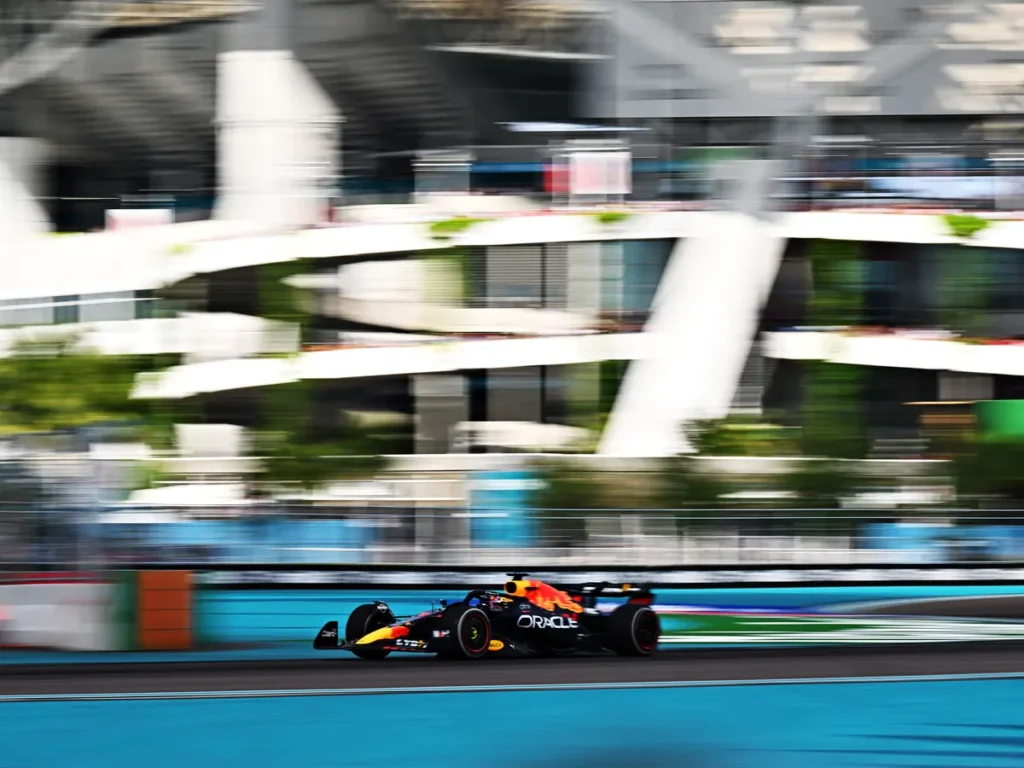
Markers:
<point>123,95</point>
<point>257,127</point>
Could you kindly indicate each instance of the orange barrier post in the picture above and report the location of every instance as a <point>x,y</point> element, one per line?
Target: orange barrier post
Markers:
<point>165,610</point>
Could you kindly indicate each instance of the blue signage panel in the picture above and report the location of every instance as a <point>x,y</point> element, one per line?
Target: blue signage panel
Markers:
<point>501,514</point>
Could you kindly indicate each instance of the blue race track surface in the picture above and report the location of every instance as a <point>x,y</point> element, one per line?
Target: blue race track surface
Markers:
<point>972,723</point>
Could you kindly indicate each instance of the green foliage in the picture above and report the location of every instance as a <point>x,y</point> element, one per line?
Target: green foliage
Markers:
<point>990,469</point>
<point>51,385</point>
<point>836,273</point>
<point>965,226</point>
<point>565,486</point>
<point>611,374</point>
<point>612,217</point>
<point>819,484</point>
<point>563,499</point>
<point>964,288</point>
<point>288,465</point>
<point>833,419</point>
<point>278,300</point>
<point>822,486</point>
<point>741,436</point>
<point>147,475</point>
<point>298,450</point>
<point>684,482</point>
<point>459,262</point>
<point>180,249</point>
<point>449,228</point>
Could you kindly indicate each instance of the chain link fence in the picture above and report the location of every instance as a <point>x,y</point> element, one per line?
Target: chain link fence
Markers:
<point>47,537</point>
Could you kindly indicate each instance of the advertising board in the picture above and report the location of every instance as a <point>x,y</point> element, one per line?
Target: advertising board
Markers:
<point>400,576</point>
<point>64,616</point>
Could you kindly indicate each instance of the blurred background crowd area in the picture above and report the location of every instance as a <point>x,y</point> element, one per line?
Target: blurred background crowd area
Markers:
<point>904,103</point>
<point>231,231</point>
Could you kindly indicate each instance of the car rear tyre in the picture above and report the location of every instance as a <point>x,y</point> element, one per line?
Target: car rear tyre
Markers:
<point>469,633</point>
<point>633,630</point>
<point>362,621</point>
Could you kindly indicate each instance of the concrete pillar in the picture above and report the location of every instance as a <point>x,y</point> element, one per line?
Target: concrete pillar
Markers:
<point>22,181</point>
<point>705,318</point>
<point>441,403</point>
<point>278,132</point>
<point>583,279</point>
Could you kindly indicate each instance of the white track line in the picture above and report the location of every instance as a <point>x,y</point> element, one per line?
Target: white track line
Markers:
<point>306,692</point>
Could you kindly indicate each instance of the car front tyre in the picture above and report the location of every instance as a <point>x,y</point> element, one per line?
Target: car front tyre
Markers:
<point>469,633</point>
<point>361,622</point>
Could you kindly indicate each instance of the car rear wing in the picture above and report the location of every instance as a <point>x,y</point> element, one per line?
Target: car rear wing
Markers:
<point>639,594</point>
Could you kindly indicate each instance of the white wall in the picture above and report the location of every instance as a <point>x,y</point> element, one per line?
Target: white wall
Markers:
<point>199,337</point>
<point>72,617</point>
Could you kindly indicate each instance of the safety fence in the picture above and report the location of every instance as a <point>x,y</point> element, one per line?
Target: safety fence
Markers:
<point>490,534</point>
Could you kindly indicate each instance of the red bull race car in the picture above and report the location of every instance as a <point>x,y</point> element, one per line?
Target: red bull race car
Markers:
<point>526,618</point>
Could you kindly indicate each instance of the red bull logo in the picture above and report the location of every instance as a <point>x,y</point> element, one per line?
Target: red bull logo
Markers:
<point>543,595</point>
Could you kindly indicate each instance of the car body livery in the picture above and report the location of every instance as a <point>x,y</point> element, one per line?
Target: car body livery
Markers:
<point>527,618</point>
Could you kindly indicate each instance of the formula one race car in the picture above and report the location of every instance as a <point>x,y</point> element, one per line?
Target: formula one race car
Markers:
<point>528,618</point>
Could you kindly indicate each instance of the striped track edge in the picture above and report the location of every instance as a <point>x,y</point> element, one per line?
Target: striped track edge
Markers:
<point>307,692</point>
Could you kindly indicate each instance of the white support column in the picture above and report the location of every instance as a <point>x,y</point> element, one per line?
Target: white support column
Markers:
<point>583,268</point>
<point>705,317</point>
<point>277,140</point>
<point>278,132</point>
<point>21,184</point>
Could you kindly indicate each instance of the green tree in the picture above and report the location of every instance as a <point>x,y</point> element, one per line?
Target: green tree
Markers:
<point>819,484</point>
<point>964,287</point>
<point>279,301</point>
<point>822,486</point>
<point>833,408</point>
<point>742,436</point>
<point>566,486</point>
<point>989,471</point>
<point>965,226</point>
<point>564,497</point>
<point>684,482</point>
<point>53,385</point>
<point>298,450</point>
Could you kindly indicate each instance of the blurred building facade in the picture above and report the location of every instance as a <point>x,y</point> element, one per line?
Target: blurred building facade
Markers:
<point>872,103</point>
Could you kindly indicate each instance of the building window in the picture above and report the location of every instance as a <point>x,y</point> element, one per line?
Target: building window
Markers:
<point>145,305</point>
<point>106,307</point>
<point>15,312</point>
<point>65,309</point>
